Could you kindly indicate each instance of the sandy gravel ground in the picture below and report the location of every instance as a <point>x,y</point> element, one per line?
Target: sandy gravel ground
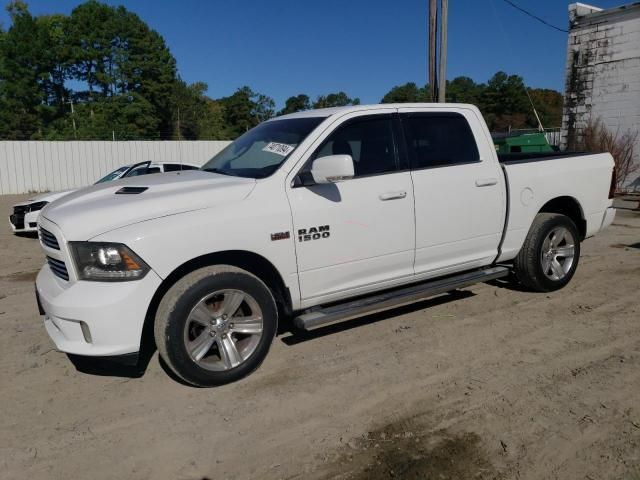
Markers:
<point>487,383</point>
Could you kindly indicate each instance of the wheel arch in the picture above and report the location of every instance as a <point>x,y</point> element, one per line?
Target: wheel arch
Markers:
<point>246,260</point>
<point>570,207</point>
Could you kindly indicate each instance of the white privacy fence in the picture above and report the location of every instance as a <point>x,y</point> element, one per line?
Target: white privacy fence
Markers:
<point>35,166</point>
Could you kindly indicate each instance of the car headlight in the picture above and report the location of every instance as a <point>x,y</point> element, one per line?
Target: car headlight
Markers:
<point>107,262</point>
<point>34,207</point>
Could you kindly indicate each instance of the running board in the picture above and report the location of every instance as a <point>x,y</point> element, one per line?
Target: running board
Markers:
<point>395,298</point>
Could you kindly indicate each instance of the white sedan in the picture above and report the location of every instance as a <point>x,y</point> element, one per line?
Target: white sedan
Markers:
<point>25,214</point>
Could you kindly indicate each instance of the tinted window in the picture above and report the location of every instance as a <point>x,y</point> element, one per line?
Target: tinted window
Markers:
<point>369,142</point>
<point>142,170</point>
<point>176,167</point>
<point>435,139</point>
<point>113,175</point>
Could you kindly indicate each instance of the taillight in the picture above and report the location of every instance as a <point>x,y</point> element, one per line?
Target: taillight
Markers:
<point>612,188</point>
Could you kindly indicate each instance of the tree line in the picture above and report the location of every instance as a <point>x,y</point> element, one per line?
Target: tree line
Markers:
<point>101,73</point>
<point>503,100</point>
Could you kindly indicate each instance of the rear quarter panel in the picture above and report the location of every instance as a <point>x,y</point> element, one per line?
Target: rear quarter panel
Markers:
<point>586,178</point>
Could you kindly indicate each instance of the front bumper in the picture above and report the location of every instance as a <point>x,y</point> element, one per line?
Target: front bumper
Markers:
<point>24,222</point>
<point>95,318</point>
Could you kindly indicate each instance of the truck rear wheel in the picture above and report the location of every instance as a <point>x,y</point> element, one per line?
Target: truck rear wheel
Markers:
<point>215,325</point>
<point>550,253</point>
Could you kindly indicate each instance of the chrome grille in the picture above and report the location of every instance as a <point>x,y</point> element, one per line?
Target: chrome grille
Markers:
<point>58,268</point>
<point>49,239</point>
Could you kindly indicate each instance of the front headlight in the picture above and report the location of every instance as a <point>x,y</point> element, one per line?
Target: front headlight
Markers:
<point>34,207</point>
<point>107,262</point>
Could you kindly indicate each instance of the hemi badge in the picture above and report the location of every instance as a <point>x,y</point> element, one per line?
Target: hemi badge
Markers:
<point>280,236</point>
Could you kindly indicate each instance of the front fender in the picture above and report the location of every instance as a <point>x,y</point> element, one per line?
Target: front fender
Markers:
<point>168,242</point>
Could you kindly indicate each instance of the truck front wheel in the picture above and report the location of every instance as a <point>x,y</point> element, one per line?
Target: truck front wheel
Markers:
<point>215,325</point>
<point>550,253</point>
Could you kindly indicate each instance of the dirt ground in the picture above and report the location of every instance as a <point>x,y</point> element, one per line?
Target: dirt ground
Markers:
<point>486,383</point>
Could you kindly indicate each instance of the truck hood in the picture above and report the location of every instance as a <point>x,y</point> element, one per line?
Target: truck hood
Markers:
<point>92,211</point>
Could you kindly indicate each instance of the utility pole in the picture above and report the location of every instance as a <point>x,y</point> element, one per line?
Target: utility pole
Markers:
<point>442,74</point>
<point>73,119</point>
<point>178,125</point>
<point>433,20</point>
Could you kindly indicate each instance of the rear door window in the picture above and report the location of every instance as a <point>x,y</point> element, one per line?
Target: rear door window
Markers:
<point>438,139</point>
<point>174,167</point>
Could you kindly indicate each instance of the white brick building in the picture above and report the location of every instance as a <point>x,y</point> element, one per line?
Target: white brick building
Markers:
<point>603,72</point>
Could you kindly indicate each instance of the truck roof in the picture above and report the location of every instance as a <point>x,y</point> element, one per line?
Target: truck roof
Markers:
<point>327,112</point>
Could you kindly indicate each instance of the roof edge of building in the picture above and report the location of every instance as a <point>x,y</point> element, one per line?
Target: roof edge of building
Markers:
<point>582,14</point>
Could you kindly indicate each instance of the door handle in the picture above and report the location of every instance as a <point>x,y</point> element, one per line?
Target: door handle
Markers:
<point>486,182</point>
<point>392,195</point>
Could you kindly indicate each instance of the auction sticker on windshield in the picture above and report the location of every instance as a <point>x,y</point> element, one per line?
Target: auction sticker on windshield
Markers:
<point>279,148</point>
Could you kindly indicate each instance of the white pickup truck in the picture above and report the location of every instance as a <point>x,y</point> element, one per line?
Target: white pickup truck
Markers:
<point>318,216</point>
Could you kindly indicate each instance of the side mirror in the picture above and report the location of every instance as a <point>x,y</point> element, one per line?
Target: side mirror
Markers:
<point>332,169</point>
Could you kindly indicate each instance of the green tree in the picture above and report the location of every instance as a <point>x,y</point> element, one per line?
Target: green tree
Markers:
<point>89,35</point>
<point>339,99</point>
<point>125,117</point>
<point>21,74</point>
<point>3,88</point>
<point>118,65</point>
<point>463,90</point>
<point>113,52</point>
<point>296,103</point>
<point>196,116</point>
<point>56,56</point>
<point>245,109</point>
<point>213,124</point>
<point>187,105</point>
<point>548,103</point>
<point>504,102</point>
<point>407,93</point>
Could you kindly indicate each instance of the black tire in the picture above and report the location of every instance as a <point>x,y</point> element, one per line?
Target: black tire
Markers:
<point>174,320</point>
<point>530,262</point>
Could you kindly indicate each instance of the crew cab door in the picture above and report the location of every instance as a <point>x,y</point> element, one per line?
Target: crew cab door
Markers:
<point>459,190</point>
<point>355,235</point>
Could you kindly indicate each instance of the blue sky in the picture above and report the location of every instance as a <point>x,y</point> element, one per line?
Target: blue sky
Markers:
<point>363,47</point>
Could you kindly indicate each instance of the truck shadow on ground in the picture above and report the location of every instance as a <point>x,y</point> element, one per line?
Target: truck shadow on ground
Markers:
<point>107,368</point>
<point>297,336</point>
<point>509,283</point>
<point>31,235</point>
<point>288,334</point>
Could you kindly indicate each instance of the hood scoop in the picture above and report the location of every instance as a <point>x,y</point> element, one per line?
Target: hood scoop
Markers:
<point>131,190</point>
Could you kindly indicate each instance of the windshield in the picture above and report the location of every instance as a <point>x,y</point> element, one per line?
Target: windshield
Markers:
<point>113,175</point>
<point>145,169</point>
<point>260,152</point>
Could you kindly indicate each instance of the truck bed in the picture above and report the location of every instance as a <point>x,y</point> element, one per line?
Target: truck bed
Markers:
<point>584,178</point>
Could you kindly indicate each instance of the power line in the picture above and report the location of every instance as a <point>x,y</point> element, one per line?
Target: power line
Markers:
<point>517,7</point>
